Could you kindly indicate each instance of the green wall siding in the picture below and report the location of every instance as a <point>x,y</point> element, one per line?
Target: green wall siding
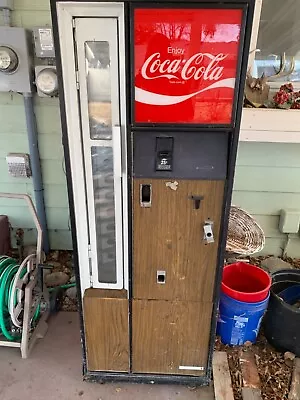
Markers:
<point>13,138</point>
<point>267,179</point>
<point>267,176</point>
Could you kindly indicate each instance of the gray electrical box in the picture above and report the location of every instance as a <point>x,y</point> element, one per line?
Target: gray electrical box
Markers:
<point>15,60</point>
<point>289,221</point>
<point>7,4</point>
<point>43,42</point>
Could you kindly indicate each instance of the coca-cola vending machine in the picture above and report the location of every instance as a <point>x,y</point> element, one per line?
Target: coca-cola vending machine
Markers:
<point>151,100</point>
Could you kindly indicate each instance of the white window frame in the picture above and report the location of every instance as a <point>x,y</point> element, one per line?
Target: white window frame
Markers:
<point>254,34</point>
<point>268,125</point>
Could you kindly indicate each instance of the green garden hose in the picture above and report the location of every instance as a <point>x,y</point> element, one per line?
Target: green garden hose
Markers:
<point>66,286</point>
<point>8,269</point>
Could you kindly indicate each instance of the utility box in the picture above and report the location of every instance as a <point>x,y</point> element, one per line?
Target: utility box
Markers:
<point>151,110</point>
<point>289,221</point>
<point>43,42</point>
<point>15,60</point>
<point>9,4</point>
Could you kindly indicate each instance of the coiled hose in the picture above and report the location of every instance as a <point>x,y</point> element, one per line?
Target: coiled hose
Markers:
<point>8,270</point>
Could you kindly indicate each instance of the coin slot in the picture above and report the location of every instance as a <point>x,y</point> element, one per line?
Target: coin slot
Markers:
<point>164,153</point>
<point>208,232</point>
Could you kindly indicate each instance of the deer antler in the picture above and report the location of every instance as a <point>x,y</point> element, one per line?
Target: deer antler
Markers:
<point>281,72</point>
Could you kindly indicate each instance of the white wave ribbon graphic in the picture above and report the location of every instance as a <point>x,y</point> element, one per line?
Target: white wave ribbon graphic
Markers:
<point>156,99</point>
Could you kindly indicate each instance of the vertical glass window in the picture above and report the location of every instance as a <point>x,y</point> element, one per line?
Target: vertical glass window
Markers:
<point>103,185</point>
<point>98,73</point>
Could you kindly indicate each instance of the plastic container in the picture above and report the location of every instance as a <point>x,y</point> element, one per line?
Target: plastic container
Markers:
<point>245,282</point>
<point>239,321</point>
<point>282,320</point>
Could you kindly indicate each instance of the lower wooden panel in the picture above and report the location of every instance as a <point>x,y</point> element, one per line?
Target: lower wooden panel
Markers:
<point>168,335</point>
<point>106,330</point>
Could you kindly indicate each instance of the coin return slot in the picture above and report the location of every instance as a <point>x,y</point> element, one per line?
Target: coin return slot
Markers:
<point>145,195</point>
<point>161,277</point>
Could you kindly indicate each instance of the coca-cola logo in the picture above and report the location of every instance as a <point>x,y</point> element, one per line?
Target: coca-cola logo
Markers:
<point>204,66</point>
<point>158,99</point>
<point>177,68</point>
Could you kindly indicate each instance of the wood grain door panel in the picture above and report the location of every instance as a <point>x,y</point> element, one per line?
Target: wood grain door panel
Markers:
<point>106,330</point>
<point>168,236</point>
<point>167,335</point>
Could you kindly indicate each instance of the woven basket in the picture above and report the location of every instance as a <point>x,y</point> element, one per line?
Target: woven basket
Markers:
<point>244,235</point>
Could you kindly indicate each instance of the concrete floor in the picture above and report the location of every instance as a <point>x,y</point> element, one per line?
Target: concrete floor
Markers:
<point>53,372</point>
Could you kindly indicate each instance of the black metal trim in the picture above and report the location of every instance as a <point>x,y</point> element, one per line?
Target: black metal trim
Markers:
<point>180,128</point>
<point>239,65</point>
<point>65,143</point>
<point>129,176</point>
<point>102,377</point>
<point>243,6</point>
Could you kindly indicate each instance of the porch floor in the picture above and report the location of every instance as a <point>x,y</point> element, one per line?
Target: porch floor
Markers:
<point>53,372</point>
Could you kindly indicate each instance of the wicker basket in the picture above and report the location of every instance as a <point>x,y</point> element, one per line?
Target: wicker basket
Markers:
<point>244,235</point>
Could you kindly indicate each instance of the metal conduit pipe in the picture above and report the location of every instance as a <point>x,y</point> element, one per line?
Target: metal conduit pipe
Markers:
<point>6,17</point>
<point>36,167</point>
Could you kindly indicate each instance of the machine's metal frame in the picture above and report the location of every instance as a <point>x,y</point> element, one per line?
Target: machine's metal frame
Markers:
<point>232,130</point>
<point>32,263</point>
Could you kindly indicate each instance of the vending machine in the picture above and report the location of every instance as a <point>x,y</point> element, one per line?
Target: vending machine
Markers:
<point>151,99</point>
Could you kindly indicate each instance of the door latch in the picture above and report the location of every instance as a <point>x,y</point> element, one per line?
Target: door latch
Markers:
<point>197,200</point>
<point>208,232</point>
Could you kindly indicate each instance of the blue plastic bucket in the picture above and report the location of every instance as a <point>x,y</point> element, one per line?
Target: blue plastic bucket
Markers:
<point>239,321</point>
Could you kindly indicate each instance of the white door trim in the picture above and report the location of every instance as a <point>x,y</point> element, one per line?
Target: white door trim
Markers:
<point>66,12</point>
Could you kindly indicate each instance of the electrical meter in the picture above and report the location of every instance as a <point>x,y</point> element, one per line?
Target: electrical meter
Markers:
<point>8,60</point>
<point>15,60</point>
<point>46,81</point>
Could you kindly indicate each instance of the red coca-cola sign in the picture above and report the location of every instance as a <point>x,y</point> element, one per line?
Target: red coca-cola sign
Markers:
<point>185,64</point>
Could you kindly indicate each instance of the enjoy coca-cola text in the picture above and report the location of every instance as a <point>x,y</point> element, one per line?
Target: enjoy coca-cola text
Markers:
<point>154,67</point>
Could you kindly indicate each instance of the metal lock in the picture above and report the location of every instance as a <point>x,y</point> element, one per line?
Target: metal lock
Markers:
<point>208,232</point>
